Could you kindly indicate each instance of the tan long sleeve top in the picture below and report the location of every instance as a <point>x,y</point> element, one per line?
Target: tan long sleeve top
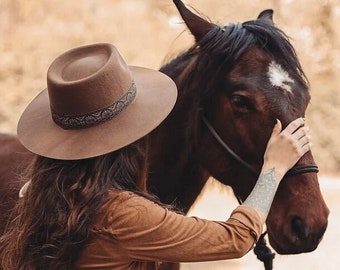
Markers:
<point>131,232</point>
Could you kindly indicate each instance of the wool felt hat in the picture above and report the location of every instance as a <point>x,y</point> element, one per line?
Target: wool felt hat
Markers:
<point>94,104</point>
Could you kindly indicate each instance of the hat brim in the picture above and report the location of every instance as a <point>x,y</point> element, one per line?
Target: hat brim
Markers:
<point>156,96</point>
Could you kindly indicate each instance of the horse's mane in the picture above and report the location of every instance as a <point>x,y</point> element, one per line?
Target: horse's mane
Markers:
<point>223,45</point>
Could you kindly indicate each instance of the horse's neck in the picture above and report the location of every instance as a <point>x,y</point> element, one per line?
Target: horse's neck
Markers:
<point>176,174</point>
<point>175,171</point>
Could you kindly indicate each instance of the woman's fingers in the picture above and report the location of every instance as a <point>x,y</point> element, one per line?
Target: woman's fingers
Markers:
<point>301,132</point>
<point>285,148</point>
<point>306,147</point>
<point>304,140</point>
<point>277,128</point>
<point>294,125</point>
<point>298,135</point>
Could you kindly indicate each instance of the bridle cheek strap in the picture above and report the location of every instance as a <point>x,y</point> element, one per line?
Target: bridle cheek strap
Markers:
<point>298,169</point>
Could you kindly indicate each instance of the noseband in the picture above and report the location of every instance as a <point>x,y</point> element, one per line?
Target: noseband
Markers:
<point>298,169</point>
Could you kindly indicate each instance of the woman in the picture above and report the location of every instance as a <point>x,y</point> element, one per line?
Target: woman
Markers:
<point>86,205</point>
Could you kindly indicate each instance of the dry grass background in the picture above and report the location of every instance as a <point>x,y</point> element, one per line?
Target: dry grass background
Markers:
<point>147,32</point>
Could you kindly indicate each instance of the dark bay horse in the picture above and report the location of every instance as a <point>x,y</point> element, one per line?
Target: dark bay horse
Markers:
<point>233,84</point>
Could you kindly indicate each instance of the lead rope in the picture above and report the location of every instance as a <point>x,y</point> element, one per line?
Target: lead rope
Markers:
<point>264,253</point>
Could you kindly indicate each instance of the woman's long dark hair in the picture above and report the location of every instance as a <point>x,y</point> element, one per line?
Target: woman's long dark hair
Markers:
<point>52,222</point>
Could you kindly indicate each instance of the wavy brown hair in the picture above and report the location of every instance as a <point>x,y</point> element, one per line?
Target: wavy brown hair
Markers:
<point>51,224</point>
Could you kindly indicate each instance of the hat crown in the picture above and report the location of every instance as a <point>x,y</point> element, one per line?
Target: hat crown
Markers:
<point>87,79</point>
<point>83,67</point>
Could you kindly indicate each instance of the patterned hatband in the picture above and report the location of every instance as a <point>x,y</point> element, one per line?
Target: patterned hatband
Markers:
<point>97,117</point>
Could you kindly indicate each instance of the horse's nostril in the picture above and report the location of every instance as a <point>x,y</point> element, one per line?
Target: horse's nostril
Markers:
<point>299,228</point>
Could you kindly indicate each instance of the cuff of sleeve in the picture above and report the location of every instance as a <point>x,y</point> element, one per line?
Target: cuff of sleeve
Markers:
<point>249,218</point>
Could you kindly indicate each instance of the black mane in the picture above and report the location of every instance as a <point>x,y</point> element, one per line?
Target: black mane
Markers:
<point>221,47</point>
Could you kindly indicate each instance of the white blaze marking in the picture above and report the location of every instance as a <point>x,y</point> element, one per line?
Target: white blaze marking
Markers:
<point>279,77</point>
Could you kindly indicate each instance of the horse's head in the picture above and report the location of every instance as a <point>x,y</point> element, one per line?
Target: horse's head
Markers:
<point>248,75</point>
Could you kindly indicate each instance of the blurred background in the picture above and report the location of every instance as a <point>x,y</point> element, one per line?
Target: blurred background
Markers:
<point>150,32</point>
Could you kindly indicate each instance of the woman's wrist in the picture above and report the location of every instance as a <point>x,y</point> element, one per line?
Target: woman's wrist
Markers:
<point>278,171</point>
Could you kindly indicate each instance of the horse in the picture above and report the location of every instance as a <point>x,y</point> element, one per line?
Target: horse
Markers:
<point>233,83</point>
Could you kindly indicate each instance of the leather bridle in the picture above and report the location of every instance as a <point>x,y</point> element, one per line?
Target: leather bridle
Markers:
<point>297,169</point>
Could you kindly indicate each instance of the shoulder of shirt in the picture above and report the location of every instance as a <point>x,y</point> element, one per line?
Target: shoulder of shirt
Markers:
<point>120,207</point>
<point>114,206</point>
<point>115,197</point>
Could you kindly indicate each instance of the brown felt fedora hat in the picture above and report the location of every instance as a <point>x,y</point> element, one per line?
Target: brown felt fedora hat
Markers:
<point>94,104</point>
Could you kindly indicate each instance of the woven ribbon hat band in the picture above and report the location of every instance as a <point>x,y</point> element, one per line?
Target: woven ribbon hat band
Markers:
<point>97,117</point>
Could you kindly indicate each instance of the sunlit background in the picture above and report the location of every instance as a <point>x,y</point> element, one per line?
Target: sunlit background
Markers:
<point>148,33</point>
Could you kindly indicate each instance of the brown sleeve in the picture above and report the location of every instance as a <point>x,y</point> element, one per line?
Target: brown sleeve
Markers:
<point>149,232</point>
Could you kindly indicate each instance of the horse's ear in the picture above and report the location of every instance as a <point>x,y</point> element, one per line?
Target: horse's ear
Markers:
<point>197,25</point>
<point>267,15</point>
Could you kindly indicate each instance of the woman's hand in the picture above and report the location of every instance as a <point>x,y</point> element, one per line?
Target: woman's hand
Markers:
<point>286,147</point>
<point>283,150</point>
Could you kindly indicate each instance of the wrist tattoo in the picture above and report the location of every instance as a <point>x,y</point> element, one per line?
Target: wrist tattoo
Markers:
<point>263,192</point>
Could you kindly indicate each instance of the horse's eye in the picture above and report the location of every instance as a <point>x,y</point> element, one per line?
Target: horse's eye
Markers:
<point>242,103</point>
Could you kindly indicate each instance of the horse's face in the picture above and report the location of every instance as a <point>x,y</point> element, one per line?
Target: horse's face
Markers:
<point>249,93</point>
<point>243,111</point>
